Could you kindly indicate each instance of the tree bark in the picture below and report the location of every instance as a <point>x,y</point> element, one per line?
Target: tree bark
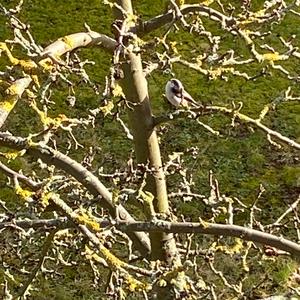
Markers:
<point>146,145</point>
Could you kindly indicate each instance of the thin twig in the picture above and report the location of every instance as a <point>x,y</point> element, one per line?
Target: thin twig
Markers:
<point>46,247</point>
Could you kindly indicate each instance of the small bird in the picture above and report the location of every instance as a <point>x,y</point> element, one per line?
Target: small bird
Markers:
<point>177,95</point>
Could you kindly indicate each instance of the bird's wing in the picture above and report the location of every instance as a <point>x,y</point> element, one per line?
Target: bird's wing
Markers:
<point>186,96</point>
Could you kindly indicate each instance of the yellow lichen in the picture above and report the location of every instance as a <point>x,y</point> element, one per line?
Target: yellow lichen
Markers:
<point>264,111</point>
<point>88,220</point>
<point>147,199</point>
<point>47,64</point>
<point>214,74</point>
<point>199,59</point>
<point>30,94</point>
<point>207,2</point>
<point>11,155</point>
<point>273,56</point>
<point>45,198</point>
<point>173,274</point>
<point>227,249</point>
<point>106,109</point>
<point>25,194</point>
<point>162,283</point>
<point>68,41</point>
<point>14,89</point>
<point>27,65</point>
<point>35,79</point>
<point>180,2</point>
<point>131,19</point>
<point>48,121</point>
<point>131,283</point>
<point>237,247</point>
<point>203,223</point>
<point>173,47</point>
<point>8,104</point>
<point>13,60</point>
<point>117,91</point>
<point>259,13</point>
<point>92,255</point>
<point>111,259</point>
<point>134,285</point>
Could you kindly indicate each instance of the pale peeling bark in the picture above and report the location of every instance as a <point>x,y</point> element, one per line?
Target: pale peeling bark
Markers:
<point>81,39</point>
<point>163,19</point>
<point>54,51</point>
<point>13,94</point>
<point>146,144</point>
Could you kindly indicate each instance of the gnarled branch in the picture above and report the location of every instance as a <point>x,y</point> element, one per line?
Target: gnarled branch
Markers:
<point>86,178</point>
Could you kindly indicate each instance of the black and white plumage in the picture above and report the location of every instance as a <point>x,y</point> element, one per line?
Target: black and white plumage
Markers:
<point>177,95</point>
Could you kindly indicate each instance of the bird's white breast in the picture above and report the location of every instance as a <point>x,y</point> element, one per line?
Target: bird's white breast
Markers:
<point>172,98</point>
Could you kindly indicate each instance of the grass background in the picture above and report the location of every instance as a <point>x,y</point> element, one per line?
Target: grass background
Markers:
<point>242,159</point>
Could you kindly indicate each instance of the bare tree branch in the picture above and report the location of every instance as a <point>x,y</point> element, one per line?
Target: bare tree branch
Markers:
<point>157,225</point>
<point>60,223</point>
<point>232,112</point>
<point>80,222</point>
<point>81,39</point>
<point>161,20</point>
<point>86,178</point>
<point>257,123</point>
<point>12,174</point>
<point>13,94</point>
<point>214,229</point>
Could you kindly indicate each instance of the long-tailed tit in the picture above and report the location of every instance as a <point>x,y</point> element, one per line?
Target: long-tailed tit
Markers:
<point>177,95</point>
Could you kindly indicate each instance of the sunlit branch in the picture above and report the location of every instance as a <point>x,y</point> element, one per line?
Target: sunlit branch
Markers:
<point>12,174</point>
<point>60,223</point>
<point>234,25</point>
<point>111,259</point>
<point>291,208</point>
<point>157,225</point>
<point>214,229</point>
<point>13,94</point>
<point>81,39</point>
<point>75,169</point>
<point>161,20</point>
<point>232,112</point>
<point>257,123</point>
<point>214,73</point>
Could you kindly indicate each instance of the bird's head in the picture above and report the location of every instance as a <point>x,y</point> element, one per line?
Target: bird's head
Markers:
<point>176,86</point>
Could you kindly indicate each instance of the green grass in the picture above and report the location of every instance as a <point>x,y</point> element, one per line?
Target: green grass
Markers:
<point>241,158</point>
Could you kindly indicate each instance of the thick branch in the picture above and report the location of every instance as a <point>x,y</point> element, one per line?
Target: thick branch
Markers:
<point>86,178</point>
<point>147,149</point>
<point>180,227</point>
<point>13,94</point>
<point>81,39</point>
<point>214,229</point>
<point>161,20</point>
<point>60,223</point>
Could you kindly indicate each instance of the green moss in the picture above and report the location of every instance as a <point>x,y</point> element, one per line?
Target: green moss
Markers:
<point>291,176</point>
<point>282,272</point>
